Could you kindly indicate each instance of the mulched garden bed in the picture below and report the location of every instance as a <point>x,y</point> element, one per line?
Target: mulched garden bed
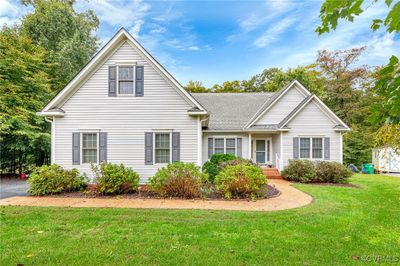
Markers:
<point>268,192</point>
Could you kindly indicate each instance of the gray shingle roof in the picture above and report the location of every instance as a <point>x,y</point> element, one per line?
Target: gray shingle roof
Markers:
<point>231,110</point>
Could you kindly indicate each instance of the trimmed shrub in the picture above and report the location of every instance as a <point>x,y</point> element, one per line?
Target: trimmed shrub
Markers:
<point>178,179</point>
<point>300,171</point>
<point>115,179</point>
<point>211,167</point>
<point>332,172</point>
<point>240,181</point>
<point>53,179</point>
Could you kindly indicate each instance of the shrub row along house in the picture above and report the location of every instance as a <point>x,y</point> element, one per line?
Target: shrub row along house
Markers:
<point>124,107</point>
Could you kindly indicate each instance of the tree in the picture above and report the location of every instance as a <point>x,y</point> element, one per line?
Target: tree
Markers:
<point>275,79</point>
<point>25,87</point>
<point>332,11</point>
<point>196,86</point>
<point>64,33</point>
<point>388,79</point>
<point>344,83</point>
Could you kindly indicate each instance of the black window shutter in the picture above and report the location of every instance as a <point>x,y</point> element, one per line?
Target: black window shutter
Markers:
<point>295,148</point>
<point>139,85</point>
<point>112,81</point>
<point>327,150</point>
<point>176,146</point>
<point>148,148</point>
<point>210,147</point>
<point>76,148</point>
<point>239,147</point>
<point>103,147</point>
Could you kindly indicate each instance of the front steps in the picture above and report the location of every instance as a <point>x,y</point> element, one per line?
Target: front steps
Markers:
<point>272,173</point>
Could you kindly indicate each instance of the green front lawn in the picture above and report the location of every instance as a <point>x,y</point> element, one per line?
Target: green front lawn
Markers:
<point>339,228</point>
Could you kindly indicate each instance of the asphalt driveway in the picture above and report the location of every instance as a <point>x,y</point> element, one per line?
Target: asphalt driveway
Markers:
<point>13,187</point>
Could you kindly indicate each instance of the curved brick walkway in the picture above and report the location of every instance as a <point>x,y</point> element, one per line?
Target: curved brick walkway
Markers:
<point>290,198</point>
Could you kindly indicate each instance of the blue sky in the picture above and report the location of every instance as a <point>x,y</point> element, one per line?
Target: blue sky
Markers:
<point>215,41</point>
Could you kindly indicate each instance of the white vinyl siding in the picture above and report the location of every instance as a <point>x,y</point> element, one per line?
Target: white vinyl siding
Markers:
<point>311,122</point>
<point>283,107</point>
<point>125,119</point>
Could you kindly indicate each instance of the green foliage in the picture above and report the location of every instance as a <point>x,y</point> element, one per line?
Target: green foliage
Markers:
<point>64,33</point>
<point>178,179</point>
<point>358,145</point>
<point>388,88</point>
<point>300,171</point>
<point>306,171</point>
<point>240,181</point>
<point>115,179</point>
<point>274,79</point>
<point>196,87</point>
<point>388,136</point>
<point>53,179</point>
<point>24,89</point>
<point>332,11</point>
<point>332,172</point>
<point>212,168</point>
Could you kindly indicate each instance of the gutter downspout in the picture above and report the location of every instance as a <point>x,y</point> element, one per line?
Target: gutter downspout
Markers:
<point>53,138</point>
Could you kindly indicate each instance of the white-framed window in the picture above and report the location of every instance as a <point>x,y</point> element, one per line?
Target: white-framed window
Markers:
<point>162,147</point>
<point>311,148</point>
<point>90,147</point>
<point>125,80</point>
<point>225,145</point>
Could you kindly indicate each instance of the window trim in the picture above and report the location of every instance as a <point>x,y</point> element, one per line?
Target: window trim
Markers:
<point>97,146</point>
<point>154,146</point>
<point>125,64</point>
<point>224,138</point>
<point>311,148</point>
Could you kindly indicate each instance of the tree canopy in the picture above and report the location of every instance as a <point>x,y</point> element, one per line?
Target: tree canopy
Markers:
<point>37,58</point>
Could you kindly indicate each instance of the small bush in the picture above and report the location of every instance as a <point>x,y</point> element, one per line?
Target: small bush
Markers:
<point>240,181</point>
<point>115,179</point>
<point>53,179</point>
<point>211,167</point>
<point>178,179</point>
<point>300,171</point>
<point>332,172</point>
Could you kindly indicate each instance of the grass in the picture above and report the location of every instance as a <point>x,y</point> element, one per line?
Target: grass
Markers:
<point>342,227</point>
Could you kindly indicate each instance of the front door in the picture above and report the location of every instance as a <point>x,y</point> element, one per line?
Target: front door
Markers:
<point>262,151</point>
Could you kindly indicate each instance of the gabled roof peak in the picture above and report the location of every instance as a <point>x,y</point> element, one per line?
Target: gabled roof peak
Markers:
<point>103,54</point>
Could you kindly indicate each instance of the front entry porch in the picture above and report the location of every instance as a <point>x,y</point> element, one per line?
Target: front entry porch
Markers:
<point>265,150</point>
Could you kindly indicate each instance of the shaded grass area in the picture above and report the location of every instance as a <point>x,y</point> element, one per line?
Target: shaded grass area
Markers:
<point>339,228</point>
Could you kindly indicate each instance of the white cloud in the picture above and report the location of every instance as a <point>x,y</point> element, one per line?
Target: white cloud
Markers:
<point>7,9</point>
<point>193,48</point>
<point>272,34</point>
<point>11,13</point>
<point>119,13</point>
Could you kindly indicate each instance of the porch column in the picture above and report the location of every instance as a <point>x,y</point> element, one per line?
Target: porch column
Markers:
<point>249,155</point>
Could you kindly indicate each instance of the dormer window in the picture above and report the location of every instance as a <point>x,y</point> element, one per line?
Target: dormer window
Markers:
<point>125,80</point>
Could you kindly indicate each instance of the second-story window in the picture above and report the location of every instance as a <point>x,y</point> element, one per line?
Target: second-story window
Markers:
<point>125,80</point>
